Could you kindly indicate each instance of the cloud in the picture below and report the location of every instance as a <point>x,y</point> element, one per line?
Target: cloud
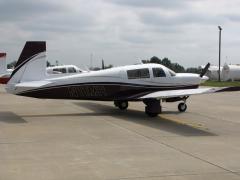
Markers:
<point>122,31</point>
<point>151,3</point>
<point>178,19</point>
<point>13,10</point>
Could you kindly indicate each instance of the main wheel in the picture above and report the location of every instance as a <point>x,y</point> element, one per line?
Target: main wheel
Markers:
<point>121,104</point>
<point>182,107</point>
<point>153,107</point>
<point>152,114</point>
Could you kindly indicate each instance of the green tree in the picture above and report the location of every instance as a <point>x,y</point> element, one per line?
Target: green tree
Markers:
<point>194,70</point>
<point>108,67</point>
<point>145,61</point>
<point>156,60</point>
<point>11,65</point>
<point>49,64</point>
<point>166,62</point>
<point>177,68</point>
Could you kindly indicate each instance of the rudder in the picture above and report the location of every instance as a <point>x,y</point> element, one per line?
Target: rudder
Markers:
<point>31,65</point>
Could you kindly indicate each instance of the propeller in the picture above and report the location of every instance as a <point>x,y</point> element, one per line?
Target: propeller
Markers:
<point>204,71</point>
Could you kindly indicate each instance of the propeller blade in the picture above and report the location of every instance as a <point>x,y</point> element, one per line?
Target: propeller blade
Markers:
<point>204,71</point>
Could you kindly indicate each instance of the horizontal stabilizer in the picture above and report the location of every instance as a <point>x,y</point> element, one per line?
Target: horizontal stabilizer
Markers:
<point>33,84</point>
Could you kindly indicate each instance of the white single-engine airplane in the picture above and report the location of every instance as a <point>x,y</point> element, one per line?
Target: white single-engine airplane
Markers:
<point>150,83</point>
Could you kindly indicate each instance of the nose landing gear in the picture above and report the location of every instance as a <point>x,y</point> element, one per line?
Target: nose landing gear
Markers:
<point>182,107</point>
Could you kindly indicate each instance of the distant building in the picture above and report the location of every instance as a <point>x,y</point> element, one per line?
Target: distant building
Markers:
<point>227,72</point>
<point>212,72</point>
<point>231,72</point>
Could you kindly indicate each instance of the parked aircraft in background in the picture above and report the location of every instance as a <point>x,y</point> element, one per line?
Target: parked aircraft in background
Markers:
<point>231,72</point>
<point>4,72</point>
<point>227,72</point>
<point>54,71</point>
<point>64,69</point>
<point>149,83</point>
<point>212,72</point>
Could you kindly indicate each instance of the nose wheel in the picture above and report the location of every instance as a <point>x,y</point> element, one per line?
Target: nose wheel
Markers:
<point>182,107</point>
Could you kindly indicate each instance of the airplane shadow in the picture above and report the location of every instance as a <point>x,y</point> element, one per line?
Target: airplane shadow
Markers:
<point>135,116</point>
<point>10,117</point>
<point>140,117</point>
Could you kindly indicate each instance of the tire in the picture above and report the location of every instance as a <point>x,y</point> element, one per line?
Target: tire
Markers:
<point>123,105</point>
<point>182,107</point>
<point>116,103</point>
<point>152,114</point>
<point>153,108</point>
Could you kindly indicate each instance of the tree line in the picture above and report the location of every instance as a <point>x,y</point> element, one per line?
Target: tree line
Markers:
<point>165,61</point>
<point>173,66</point>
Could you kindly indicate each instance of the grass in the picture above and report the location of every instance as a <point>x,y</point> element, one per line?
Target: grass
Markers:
<point>221,84</point>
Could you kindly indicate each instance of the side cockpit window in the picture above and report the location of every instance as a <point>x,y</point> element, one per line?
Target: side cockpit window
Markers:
<point>71,70</point>
<point>158,72</point>
<point>138,73</point>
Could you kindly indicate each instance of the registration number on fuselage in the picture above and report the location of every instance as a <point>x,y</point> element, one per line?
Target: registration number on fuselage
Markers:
<point>87,91</point>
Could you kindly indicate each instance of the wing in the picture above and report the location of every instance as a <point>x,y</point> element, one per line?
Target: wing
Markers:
<point>186,92</point>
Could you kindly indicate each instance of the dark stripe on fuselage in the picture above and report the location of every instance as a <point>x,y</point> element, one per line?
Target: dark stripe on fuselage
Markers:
<point>99,91</point>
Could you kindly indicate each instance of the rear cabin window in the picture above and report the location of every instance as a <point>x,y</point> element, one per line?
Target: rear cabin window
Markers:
<point>71,70</point>
<point>158,72</point>
<point>138,73</point>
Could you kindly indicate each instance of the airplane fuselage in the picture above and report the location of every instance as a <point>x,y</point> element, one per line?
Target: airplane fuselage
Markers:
<point>120,83</point>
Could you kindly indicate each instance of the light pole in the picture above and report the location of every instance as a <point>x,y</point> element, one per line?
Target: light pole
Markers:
<point>219,55</point>
<point>91,61</point>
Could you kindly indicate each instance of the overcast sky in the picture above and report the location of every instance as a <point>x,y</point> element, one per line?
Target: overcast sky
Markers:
<point>123,31</point>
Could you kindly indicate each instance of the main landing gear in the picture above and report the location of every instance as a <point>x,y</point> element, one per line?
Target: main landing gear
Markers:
<point>153,107</point>
<point>123,105</point>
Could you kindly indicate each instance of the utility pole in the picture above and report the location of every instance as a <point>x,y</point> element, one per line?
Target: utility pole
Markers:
<point>219,55</point>
<point>91,60</point>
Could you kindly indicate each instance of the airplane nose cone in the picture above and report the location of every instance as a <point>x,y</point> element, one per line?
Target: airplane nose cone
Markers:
<point>204,78</point>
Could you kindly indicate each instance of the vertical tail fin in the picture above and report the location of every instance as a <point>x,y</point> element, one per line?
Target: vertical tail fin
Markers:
<point>31,65</point>
<point>3,65</point>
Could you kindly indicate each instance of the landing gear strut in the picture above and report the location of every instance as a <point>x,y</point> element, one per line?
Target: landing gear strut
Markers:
<point>153,107</point>
<point>123,105</point>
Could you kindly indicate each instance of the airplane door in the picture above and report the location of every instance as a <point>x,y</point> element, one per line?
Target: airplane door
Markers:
<point>123,75</point>
<point>160,77</point>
